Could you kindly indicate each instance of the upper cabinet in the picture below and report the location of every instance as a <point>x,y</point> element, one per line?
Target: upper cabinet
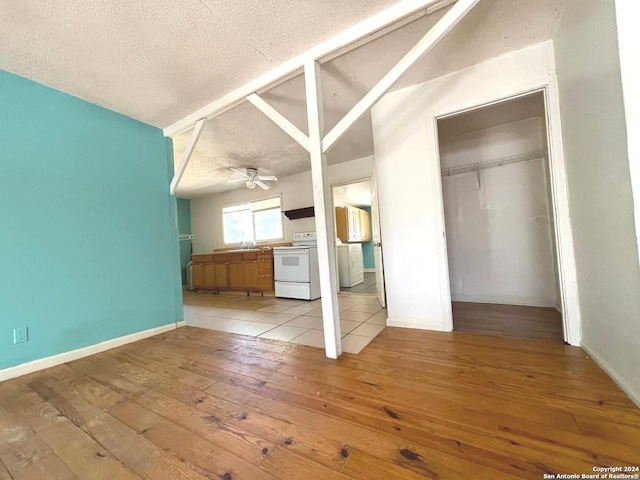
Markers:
<point>353,224</point>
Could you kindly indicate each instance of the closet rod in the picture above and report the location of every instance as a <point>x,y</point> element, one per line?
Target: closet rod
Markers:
<point>499,162</point>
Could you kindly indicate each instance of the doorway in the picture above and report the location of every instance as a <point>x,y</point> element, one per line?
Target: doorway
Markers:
<point>499,219</point>
<point>354,211</point>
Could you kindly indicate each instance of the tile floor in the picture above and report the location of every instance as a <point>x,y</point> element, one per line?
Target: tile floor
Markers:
<point>286,320</point>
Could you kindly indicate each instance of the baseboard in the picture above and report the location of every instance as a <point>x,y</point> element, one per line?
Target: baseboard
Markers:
<point>48,362</point>
<point>369,270</point>
<point>414,323</point>
<point>632,393</point>
<point>183,323</point>
<point>504,301</point>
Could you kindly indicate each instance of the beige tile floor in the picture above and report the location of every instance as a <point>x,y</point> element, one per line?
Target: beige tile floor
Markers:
<point>286,320</point>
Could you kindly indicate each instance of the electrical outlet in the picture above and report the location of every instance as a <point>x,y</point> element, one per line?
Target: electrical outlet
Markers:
<point>20,335</point>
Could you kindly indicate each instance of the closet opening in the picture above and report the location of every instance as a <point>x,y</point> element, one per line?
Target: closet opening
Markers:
<point>499,220</point>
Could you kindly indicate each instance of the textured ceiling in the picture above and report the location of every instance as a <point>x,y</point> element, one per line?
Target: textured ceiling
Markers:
<point>160,60</point>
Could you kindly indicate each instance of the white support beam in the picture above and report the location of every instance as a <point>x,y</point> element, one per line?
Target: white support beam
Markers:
<point>437,32</point>
<point>280,120</point>
<point>323,215</point>
<point>187,155</point>
<point>340,42</point>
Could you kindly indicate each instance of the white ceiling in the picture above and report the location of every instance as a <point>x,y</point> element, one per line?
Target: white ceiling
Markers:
<point>159,60</point>
<point>356,194</point>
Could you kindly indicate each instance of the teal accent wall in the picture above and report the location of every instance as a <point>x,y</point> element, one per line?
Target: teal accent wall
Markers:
<point>367,247</point>
<point>184,226</point>
<point>88,238</point>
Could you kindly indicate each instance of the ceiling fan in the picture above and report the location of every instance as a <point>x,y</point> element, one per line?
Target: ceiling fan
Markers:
<point>251,178</point>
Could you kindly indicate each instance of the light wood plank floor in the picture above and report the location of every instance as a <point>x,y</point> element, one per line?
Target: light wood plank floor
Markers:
<point>196,404</point>
<point>515,321</point>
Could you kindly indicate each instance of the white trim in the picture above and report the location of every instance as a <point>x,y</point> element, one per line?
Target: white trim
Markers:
<point>280,120</point>
<point>48,362</point>
<point>181,324</point>
<point>416,323</point>
<point>369,270</point>
<point>632,393</point>
<point>341,42</point>
<point>193,141</point>
<point>560,198</point>
<point>628,38</point>
<point>424,45</point>
<point>569,299</point>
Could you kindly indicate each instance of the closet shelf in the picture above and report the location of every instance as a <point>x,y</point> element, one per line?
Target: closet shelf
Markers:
<point>498,162</point>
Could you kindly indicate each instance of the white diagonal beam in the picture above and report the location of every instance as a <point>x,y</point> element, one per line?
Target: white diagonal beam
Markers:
<point>341,41</point>
<point>438,31</point>
<point>323,214</point>
<point>187,155</point>
<point>280,120</point>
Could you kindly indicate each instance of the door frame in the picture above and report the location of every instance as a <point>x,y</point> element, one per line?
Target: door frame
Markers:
<point>342,183</point>
<point>560,205</point>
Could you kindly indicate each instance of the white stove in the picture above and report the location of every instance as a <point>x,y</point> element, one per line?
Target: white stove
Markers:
<point>296,271</point>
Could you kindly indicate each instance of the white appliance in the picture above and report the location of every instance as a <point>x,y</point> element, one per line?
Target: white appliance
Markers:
<point>350,265</point>
<point>296,271</point>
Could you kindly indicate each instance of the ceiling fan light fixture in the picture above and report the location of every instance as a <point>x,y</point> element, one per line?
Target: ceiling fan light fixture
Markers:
<point>251,183</point>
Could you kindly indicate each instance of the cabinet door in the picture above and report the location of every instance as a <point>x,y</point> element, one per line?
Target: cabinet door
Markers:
<point>236,275</point>
<point>197,271</point>
<point>221,275</point>
<point>342,224</point>
<point>251,275</point>
<point>365,226</point>
<point>354,225</point>
<point>265,283</point>
<point>209,276</point>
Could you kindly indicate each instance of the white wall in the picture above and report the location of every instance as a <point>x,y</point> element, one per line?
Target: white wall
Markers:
<point>601,202</point>
<point>408,176</point>
<point>499,234</point>
<point>206,211</point>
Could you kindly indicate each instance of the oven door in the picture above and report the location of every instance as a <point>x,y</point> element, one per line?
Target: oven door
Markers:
<point>291,265</point>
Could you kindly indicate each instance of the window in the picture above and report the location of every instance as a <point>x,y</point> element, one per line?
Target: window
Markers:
<point>253,222</point>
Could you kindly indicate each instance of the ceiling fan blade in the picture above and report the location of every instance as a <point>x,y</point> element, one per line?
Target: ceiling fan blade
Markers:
<point>240,172</point>
<point>263,186</point>
<point>236,180</point>
<point>268,178</point>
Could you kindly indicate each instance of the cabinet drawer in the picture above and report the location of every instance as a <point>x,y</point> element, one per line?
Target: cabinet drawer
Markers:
<point>227,257</point>
<point>265,255</point>
<point>201,258</point>
<point>249,256</point>
<point>265,267</point>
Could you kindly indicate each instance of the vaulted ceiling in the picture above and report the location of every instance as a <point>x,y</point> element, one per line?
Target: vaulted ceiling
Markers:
<point>159,60</point>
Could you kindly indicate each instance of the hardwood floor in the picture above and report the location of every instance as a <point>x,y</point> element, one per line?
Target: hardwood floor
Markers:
<point>196,404</point>
<point>368,286</point>
<point>535,323</point>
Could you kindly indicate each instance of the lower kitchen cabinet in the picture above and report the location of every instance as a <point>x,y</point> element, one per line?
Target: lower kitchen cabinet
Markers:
<point>236,276</point>
<point>251,275</point>
<point>250,271</point>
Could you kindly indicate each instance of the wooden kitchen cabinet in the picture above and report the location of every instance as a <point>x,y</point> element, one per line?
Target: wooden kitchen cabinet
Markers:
<point>221,275</point>
<point>236,275</point>
<point>265,271</point>
<point>250,271</point>
<point>251,275</point>
<point>352,224</point>
<point>203,272</point>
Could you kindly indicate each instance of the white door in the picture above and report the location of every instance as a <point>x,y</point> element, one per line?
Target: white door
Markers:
<point>377,242</point>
